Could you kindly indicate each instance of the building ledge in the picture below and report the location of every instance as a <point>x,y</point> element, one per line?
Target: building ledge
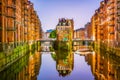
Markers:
<point>11,6</point>
<point>0,12</point>
<point>0,27</point>
<point>118,30</point>
<point>25,14</point>
<point>25,33</point>
<point>11,16</point>
<point>118,13</point>
<point>118,0</point>
<point>26,9</point>
<point>11,29</point>
<point>111,33</point>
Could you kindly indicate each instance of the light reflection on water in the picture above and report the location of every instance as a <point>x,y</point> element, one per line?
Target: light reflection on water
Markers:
<point>70,66</point>
<point>81,70</point>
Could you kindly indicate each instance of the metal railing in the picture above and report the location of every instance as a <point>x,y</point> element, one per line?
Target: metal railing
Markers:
<point>11,29</point>
<point>11,6</point>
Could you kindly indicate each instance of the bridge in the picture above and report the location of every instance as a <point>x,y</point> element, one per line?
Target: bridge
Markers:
<point>81,51</point>
<point>47,40</point>
<point>89,40</point>
<point>74,40</point>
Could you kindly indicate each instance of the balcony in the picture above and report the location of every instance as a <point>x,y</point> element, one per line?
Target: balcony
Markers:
<point>32,14</point>
<point>118,29</point>
<point>111,21</point>
<point>25,25</point>
<point>101,34</point>
<point>118,1</point>
<point>111,8</point>
<point>0,27</point>
<point>111,25</point>
<point>118,7</point>
<point>118,20</point>
<point>101,29</point>
<point>25,3</point>
<point>112,13</point>
<point>25,33</point>
<point>111,33</point>
<point>0,2</point>
<point>26,20</point>
<point>25,14</point>
<point>26,9</point>
<point>11,16</point>
<point>110,2</point>
<point>0,13</point>
<point>36,30</point>
<point>1,49</point>
<point>11,6</point>
<point>11,29</point>
<point>118,13</point>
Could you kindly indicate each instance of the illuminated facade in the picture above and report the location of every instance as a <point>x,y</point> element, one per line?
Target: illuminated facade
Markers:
<point>95,26</point>
<point>105,23</point>
<point>19,23</point>
<point>88,30</point>
<point>103,67</point>
<point>64,63</point>
<point>79,34</point>
<point>64,30</point>
<point>7,24</point>
<point>26,68</point>
<point>117,7</point>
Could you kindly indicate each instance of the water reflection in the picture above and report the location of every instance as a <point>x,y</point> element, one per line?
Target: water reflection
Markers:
<point>105,66</point>
<point>62,64</point>
<point>26,68</point>
<point>64,58</point>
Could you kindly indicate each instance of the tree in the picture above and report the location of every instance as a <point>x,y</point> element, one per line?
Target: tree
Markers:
<point>53,34</point>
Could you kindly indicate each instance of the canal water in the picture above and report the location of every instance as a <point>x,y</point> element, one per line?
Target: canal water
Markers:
<point>74,64</point>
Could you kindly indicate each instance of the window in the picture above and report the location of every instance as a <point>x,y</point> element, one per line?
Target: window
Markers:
<point>0,36</point>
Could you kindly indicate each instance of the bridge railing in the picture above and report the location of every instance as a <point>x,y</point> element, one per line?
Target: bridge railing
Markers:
<point>83,39</point>
<point>49,39</point>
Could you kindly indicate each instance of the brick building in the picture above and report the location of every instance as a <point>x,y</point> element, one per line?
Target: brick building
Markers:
<point>88,30</point>
<point>105,23</point>
<point>18,21</point>
<point>79,34</point>
<point>64,29</point>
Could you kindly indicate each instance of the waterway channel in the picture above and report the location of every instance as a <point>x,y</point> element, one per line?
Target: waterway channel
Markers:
<point>64,65</point>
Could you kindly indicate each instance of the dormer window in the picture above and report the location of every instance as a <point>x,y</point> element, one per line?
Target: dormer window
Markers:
<point>59,24</point>
<point>64,24</point>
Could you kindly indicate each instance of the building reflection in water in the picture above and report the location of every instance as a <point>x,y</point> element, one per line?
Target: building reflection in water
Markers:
<point>104,66</point>
<point>64,62</point>
<point>26,68</point>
